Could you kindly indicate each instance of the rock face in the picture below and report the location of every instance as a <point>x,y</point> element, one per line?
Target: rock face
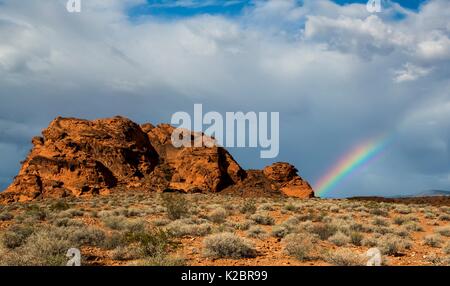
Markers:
<point>78,157</point>
<point>285,178</point>
<point>195,169</point>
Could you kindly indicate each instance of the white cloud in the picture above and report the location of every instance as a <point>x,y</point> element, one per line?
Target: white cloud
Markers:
<point>436,48</point>
<point>410,72</point>
<point>325,67</point>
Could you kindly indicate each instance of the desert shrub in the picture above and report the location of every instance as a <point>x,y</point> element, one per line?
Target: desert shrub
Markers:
<point>446,248</point>
<point>135,225</point>
<point>115,223</point>
<point>36,213</point>
<point>60,222</point>
<point>256,232</point>
<point>226,227</point>
<point>162,260</point>
<point>433,240</point>
<point>437,260</point>
<point>290,207</point>
<point>379,212</point>
<point>46,247</point>
<point>382,230</point>
<point>176,205</point>
<point>299,246</point>
<point>6,216</point>
<point>403,209</point>
<point>399,220</point>
<point>266,207</point>
<point>161,221</point>
<point>262,218</point>
<point>334,209</point>
<point>133,212</point>
<point>292,222</point>
<point>59,206</point>
<point>88,236</point>
<point>218,215</point>
<point>248,207</point>
<point>227,245</point>
<point>356,238</point>
<point>380,222</point>
<point>445,231</point>
<point>75,212</point>
<point>153,242</point>
<point>280,231</point>
<point>369,241</point>
<point>354,226</point>
<point>324,230</point>
<point>444,217</point>
<point>339,239</point>
<point>429,215</point>
<point>393,245</point>
<point>413,226</point>
<point>16,235</point>
<point>112,241</point>
<point>402,231</point>
<point>186,227</point>
<point>344,257</point>
<point>243,225</point>
<point>128,252</point>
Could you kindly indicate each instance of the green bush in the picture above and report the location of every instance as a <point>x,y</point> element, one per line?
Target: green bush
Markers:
<point>433,240</point>
<point>59,206</point>
<point>262,218</point>
<point>248,207</point>
<point>344,257</point>
<point>356,238</point>
<point>299,246</point>
<point>393,245</point>
<point>176,205</point>
<point>153,242</point>
<point>256,232</point>
<point>16,235</point>
<point>88,236</point>
<point>227,245</point>
<point>339,239</point>
<point>5,216</point>
<point>218,215</point>
<point>324,230</point>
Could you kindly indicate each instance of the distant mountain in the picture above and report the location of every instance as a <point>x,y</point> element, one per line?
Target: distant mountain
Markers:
<point>432,193</point>
<point>427,193</point>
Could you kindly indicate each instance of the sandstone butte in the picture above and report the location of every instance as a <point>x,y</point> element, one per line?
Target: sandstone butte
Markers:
<point>77,157</point>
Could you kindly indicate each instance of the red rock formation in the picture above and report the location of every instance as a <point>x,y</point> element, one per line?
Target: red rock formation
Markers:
<point>198,169</point>
<point>285,178</point>
<point>79,157</point>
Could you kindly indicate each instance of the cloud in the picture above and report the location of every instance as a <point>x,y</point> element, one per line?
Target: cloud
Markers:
<point>328,69</point>
<point>410,72</point>
<point>436,48</point>
<point>192,3</point>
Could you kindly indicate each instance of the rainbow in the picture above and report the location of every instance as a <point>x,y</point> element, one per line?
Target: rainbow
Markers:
<point>358,157</point>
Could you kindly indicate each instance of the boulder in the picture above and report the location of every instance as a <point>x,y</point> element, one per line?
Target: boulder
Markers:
<point>76,157</point>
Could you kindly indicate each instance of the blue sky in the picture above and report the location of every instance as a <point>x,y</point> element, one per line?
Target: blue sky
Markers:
<point>188,8</point>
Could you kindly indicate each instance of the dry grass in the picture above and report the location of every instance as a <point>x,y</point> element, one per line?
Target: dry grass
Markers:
<point>199,229</point>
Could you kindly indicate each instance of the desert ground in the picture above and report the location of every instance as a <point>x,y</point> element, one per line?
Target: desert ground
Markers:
<point>167,229</point>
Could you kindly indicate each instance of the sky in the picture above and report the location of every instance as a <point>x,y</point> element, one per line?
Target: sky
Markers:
<point>337,74</point>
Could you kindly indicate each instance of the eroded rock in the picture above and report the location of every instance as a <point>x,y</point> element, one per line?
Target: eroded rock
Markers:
<point>77,157</point>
